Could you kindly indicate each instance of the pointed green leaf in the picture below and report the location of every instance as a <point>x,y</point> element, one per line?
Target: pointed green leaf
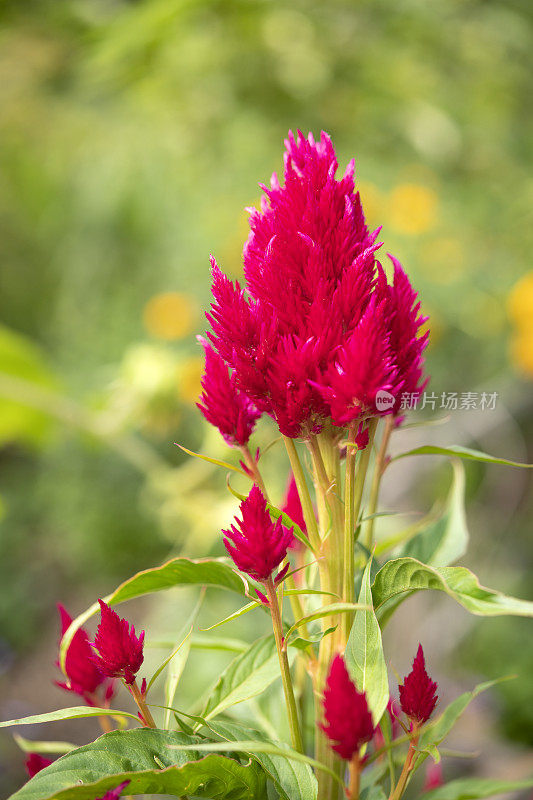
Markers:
<point>324,611</point>
<point>446,538</point>
<point>34,746</point>
<point>294,780</point>
<point>289,523</point>
<point>249,674</point>
<point>460,452</point>
<point>476,789</point>
<point>399,578</point>
<point>149,760</point>
<point>76,712</point>
<point>364,653</point>
<point>214,461</point>
<point>216,572</point>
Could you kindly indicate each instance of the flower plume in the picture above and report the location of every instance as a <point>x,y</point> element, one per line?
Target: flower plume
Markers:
<point>418,693</point>
<point>348,721</point>
<point>118,651</point>
<point>256,544</point>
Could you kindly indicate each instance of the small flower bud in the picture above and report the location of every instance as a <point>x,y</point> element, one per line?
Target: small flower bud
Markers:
<point>257,545</point>
<point>418,694</point>
<point>118,651</point>
<point>35,762</point>
<point>114,794</point>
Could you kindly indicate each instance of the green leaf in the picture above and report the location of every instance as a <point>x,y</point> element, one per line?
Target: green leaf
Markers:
<point>289,523</point>
<point>149,760</point>
<point>324,611</point>
<point>34,746</point>
<point>435,733</point>
<point>200,642</point>
<point>178,572</point>
<point>249,674</point>
<point>177,661</point>
<point>253,747</point>
<point>76,712</point>
<point>364,653</point>
<point>446,538</point>
<point>235,615</point>
<point>293,779</point>
<point>214,461</point>
<point>476,788</point>
<point>459,452</point>
<point>398,578</point>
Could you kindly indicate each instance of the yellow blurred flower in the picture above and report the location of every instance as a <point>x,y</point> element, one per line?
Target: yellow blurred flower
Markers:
<point>189,379</point>
<point>372,202</point>
<point>520,301</point>
<point>521,350</point>
<point>169,315</point>
<point>443,258</point>
<point>413,208</point>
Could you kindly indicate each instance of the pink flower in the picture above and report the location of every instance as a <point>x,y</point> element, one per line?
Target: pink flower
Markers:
<point>35,763</point>
<point>418,694</point>
<point>348,722</point>
<point>364,365</point>
<point>257,545</point>
<point>222,404</point>
<point>84,676</point>
<point>315,334</point>
<point>404,322</point>
<point>114,794</point>
<point>118,651</point>
<point>434,777</point>
<point>292,506</point>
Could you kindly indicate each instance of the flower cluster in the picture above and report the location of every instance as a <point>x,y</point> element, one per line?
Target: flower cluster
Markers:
<point>256,544</point>
<point>348,722</point>
<point>318,332</point>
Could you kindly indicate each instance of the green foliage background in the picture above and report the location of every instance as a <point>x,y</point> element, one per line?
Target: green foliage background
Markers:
<point>132,135</point>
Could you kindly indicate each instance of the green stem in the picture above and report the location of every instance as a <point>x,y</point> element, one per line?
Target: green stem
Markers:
<point>292,712</point>
<point>349,528</point>
<point>362,470</point>
<point>406,771</point>
<point>379,469</point>
<point>303,491</point>
<point>355,778</point>
<point>251,463</point>
<point>141,703</point>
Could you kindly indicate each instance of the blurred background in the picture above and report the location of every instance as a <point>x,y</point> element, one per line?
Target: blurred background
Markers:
<point>132,136</point>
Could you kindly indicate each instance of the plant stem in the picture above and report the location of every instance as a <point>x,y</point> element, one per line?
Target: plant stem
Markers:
<point>379,469</point>
<point>141,704</point>
<point>355,778</point>
<point>362,470</point>
<point>349,528</point>
<point>292,712</point>
<point>406,771</point>
<point>303,491</point>
<point>251,463</point>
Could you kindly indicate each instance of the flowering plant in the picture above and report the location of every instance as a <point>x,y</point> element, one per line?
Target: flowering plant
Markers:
<point>325,343</point>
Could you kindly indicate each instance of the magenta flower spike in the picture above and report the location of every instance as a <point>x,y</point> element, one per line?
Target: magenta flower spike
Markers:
<point>418,694</point>
<point>364,365</point>
<point>35,762</point>
<point>256,544</point>
<point>348,721</point>
<point>292,506</point>
<point>83,675</point>
<point>221,402</point>
<point>114,794</point>
<point>404,321</point>
<point>118,651</point>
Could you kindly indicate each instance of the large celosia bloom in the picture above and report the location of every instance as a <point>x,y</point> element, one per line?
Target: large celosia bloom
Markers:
<point>348,721</point>
<point>418,693</point>
<point>83,675</point>
<point>256,544</point>
<point>223,404</point>
<point>118,651</point>
<point>316,332</point>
